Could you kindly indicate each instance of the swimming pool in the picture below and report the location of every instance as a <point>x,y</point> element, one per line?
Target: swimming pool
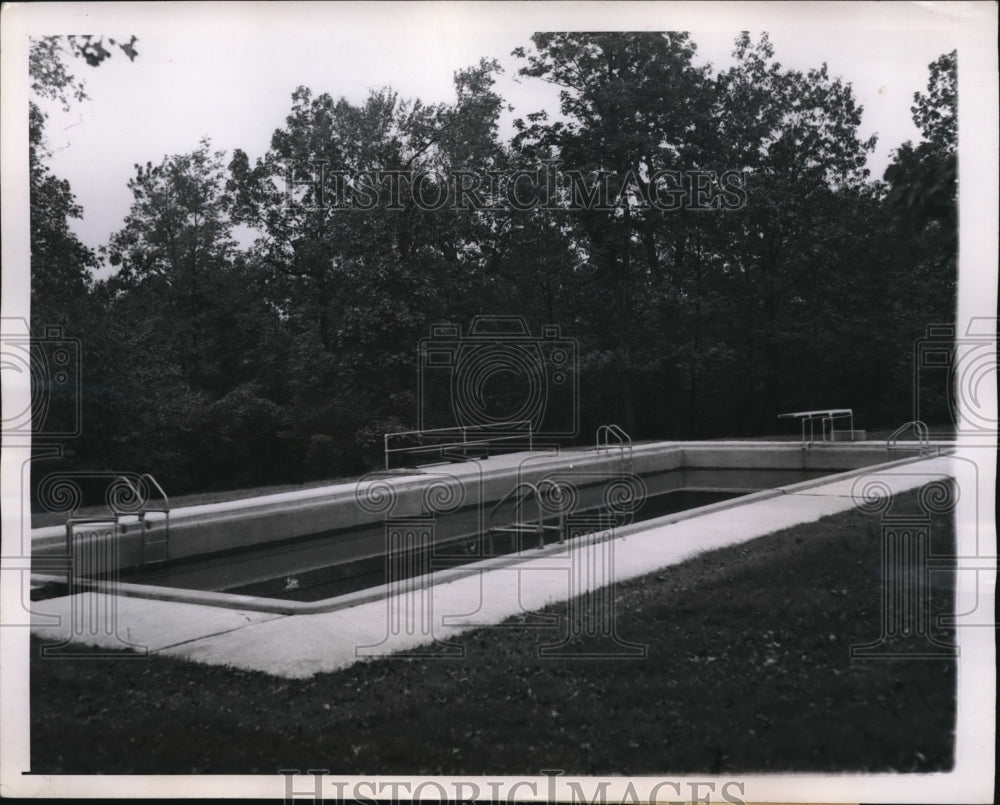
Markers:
<point>303,570</point>
<point>274,571</point>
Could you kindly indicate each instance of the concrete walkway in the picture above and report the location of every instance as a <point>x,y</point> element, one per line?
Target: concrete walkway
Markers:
<point>302,645</point>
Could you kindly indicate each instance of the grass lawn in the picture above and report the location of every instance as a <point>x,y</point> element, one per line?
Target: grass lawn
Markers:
<point>748,670</point>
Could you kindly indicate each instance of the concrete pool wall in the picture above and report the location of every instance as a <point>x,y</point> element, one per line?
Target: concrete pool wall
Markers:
<point>232,525</point>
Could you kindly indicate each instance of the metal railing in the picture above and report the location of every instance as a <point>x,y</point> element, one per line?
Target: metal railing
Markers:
<point>920,430</point>
<point>519,526</point>
<point>624,444</point>
<point>460,448</point>
<point>145,524</point>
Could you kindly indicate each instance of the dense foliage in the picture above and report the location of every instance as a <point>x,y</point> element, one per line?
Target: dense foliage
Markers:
<point>216,365</point>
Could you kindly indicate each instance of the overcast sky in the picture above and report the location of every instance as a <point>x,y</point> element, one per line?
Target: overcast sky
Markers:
<point>228,71</point>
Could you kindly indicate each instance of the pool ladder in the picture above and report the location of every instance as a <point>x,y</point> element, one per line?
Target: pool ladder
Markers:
<point>520,526</point>
<point>921,431</point>
<point>161,546</point>
<point>154,551</point>
<point>623,442</point>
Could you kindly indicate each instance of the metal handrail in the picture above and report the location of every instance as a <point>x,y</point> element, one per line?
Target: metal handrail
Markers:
<point>132,487</point>
<point>165,510</point>
<point>613,430</point>
<point>115,518</point>
<point>166,501</point>
<point>919,428</point>
<point>624,442</point>
<point>144,524</point>
<point>540,526</point>
<point>620,432</point>
<point>141,514</point>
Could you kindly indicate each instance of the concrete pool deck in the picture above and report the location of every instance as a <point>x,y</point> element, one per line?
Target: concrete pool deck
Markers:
<point>302,645</point>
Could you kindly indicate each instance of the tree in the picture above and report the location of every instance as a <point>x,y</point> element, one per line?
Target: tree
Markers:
<point>61,266</point>
<point>151,411</point>
<point>359,284</point>
<point>184,364</point>
<point>794,135</point>
<point>921,198</point>
<point>176,244</point>
<point>923,178</point>
<point>633,106</point>
<point>709,292</point>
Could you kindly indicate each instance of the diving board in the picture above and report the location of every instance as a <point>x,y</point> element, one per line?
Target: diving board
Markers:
<point>825,416</point>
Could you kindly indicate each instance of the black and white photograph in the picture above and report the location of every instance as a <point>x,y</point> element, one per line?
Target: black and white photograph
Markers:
<point>499,401</point>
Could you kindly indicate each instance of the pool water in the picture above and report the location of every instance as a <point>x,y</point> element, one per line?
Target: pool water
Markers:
<point>340,561</point>
<point>340,579</point>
